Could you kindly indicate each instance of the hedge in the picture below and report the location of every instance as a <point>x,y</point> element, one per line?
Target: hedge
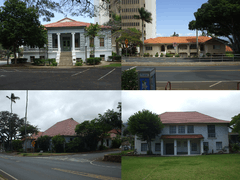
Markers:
<point>95,60</point>
<point>19,60</point>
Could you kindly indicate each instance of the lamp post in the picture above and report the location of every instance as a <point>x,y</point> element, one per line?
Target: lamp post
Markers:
<point>26,121</point>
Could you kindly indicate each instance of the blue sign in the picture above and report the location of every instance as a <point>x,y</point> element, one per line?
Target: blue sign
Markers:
<point>144,84</point>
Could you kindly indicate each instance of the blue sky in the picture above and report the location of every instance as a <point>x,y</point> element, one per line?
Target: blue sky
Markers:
<point>172,15</point>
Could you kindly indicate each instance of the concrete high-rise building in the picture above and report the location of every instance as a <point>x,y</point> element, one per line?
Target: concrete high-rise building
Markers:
<point>127,9</point>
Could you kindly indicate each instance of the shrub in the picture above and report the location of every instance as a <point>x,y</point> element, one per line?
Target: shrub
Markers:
<point>77,145</point>
<point>151,55</point>
<point>169,55</point>
<point>203,56</point>
<point>50,61</point>
<point>19,60</point>
<point>161,55</point>
<point>114,54</point>
<point>102,147</point>
<point>17,145</point>
<point>54,64</point>
<point>38,61</point>
<point>58,142</point>
<point>44,142</point>
<point>130,80</point>
<point>236,147</point>
<point>93,61</point>
<point>208,54</point>
<point>177,55</point>
<point>156,55</point>
<point>116,143</point>
<point>146,55</point>
<point>80,63</point>
<point>117,58</point>
<point>25,154</point>
<point>40,154</point>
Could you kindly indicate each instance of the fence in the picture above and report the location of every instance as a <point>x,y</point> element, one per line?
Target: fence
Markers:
<point>221,57</point>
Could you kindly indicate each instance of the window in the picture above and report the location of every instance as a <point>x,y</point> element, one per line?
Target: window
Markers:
<point>32,58</point>
<point>216,46</point>
<point>185,143</point>
<point>211,130</point>
<point>190,129</point>
<point>170,47</point>
<point>172,129</point>
<point>148,47</point>
<point>218,145</point>
<point>91,42</point>
<point>181,129</point>
<point>194,146</point>
<point>201,47</point>
<point>144,147</point>
<point>179,143</point>
<point>157,146</point>
<point>42,57</point>
<point>101,42</point>
<point>193,46</point>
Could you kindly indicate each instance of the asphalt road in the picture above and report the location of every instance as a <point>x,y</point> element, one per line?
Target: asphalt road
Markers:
<point>170,59</point>
<point>60,79</point>
<point>80,166</point>
<point>195,77</point>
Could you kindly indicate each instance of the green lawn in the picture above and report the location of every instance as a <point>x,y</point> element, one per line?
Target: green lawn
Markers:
<point>225,166</point>
<point>114,65</point>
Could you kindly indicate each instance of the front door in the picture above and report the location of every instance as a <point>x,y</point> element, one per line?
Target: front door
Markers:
<point>66,44</point>
<point>169,148</point>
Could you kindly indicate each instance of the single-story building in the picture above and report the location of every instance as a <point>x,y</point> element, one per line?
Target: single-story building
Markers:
<point>67,42</point>
<point>185,46</point>
<point>188,133</point>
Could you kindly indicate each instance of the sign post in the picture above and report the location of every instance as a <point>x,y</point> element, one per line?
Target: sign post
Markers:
<point>126,43</point>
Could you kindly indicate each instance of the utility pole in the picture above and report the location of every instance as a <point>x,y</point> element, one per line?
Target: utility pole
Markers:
<point>26,121</point>
<point>197,42</point>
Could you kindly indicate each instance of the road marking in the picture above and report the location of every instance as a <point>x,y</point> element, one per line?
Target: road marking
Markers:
<point>3,157</point>
<point>80,72</point>
<point>106,74</point>
<point>87,174</point>
<point>196,70</point>
<point>131,68</point>
<point>2,76</point>
<point>8,175</point>
<point>102,165</point>
<point>215,84</point>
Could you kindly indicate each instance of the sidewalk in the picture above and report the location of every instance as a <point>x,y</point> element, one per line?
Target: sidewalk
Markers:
<point>29,65</point>
<point>124,63</point>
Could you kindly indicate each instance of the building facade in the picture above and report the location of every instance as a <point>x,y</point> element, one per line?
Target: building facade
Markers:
<point>66,39</point>
<point>127,9</point>
<point>185,46</point>
<point>188,133</point>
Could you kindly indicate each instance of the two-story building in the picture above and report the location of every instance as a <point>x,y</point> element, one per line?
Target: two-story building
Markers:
<point>186,46</point>
<point>67,43</point>
<point>188,133</point>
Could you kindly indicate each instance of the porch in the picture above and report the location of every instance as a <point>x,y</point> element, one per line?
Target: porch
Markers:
<point>181,145</point>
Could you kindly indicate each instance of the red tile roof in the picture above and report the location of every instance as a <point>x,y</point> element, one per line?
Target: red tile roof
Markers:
<point>67,22</point>
<point>228,49</point>
<point>188,117</point>
<point>34,136</point>
<point>64,128</point>
<point>178,40</point>
<point>182,136</point>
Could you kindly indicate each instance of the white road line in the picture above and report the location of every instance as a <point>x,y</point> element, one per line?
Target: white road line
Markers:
<point>80,72</point>
<point>215,84</point>
<point>91,162</point>
<point>106,74</point>
<point>131,68</point>
<point>8,175</point>
<point>2,75</point>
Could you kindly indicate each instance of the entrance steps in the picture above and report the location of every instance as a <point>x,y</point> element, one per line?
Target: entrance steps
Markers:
<point>65,58</point>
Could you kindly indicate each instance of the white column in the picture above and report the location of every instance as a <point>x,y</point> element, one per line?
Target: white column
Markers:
<point>175,147</point>
<point>161,147</point>
<point>201,142</point>
<point>189,147</point>
<point>73,42</point>
<point>188,49</point>
<point>59,49</point>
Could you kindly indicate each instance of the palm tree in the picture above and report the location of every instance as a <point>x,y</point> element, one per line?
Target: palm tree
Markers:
<point>145,16</point>
<point>92,32</point>
<point>12,98</point>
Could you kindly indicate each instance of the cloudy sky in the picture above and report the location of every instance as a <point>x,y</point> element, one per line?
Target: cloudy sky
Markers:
<point>45,108</point>
<point>218,104</point>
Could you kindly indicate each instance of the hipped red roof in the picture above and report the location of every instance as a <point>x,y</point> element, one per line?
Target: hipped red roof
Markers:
<point>182,137</point>
<point>188,117</point>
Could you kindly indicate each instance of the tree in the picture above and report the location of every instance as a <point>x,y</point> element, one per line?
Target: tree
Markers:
<point>19,25</point>
<point>92,32</point>
<point>129,79</point>
<point>9,125</point>
<point>30,130</point>
<point>132,35</point>
<point>44,142</point>
<point>116,25</point>
<point>235,122</point>
<point>174,34</point>
<point>219,18</point>
<point>17,145</point>
<point>145,16</point>
<point>58,142</point>
<point>146,126</point>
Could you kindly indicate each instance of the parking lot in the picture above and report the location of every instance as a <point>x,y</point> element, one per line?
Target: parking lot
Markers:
<point>60,79</point>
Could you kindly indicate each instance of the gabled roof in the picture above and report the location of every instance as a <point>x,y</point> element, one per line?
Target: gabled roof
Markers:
<point>64,128</point>
<point>178,40</point>
<point>228,49</point>
<point>67,22</point>
<point>188,117</point>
